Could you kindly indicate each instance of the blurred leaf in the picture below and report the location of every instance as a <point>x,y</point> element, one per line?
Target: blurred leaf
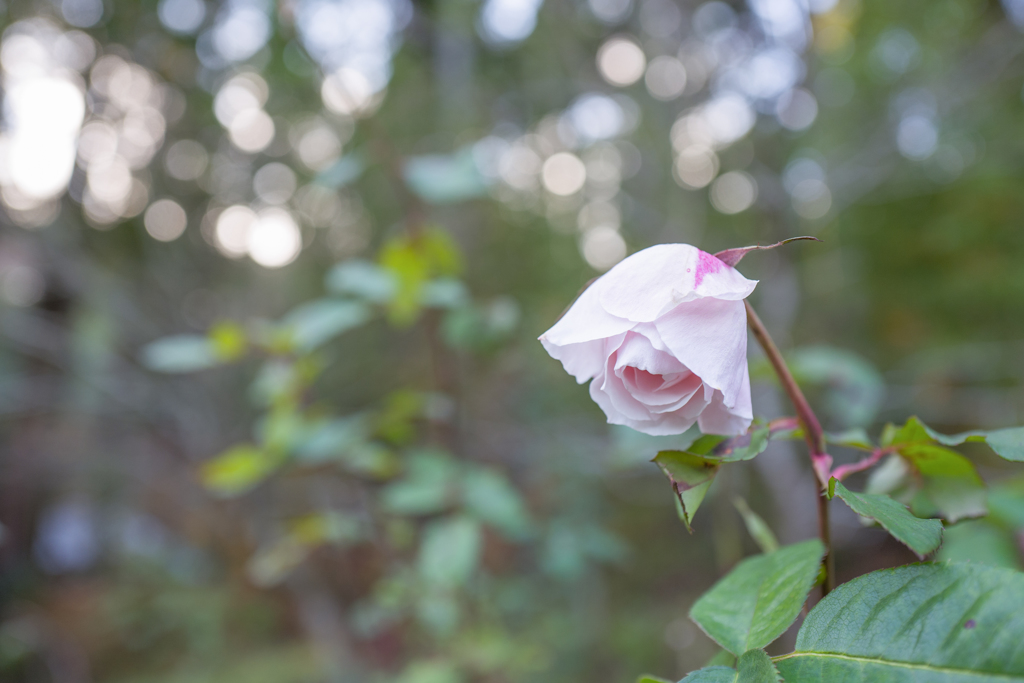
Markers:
<point>450,551</point>
<point>851,438</point>
<point>1006,443</point>
<point>429,486</point>
<point>854,388</point>
<point>981,542</point>
<point>273,564</point>
<point>444,179</point>
<point>228,340</point>
<point>952,487</point>
<point>752,605</point>
<point>444,293</point>
<point>755,666</point>
<point>652,679</point>
<point>722,658</point>
<point>434,671</point>
<point>325,440</point>
<point>317,322</point>
<point>396,422</point>
<point>757,527</point>
<point>364,280</point>
<point>711,674</point>
<point>343,172</point>
<point>414,260</point>
<point>488,496</point>
<point>326,527</point>
<point>922,536</point>
<point>926,621</point>
<point>691,476</point>
<point>237,470</point>
<point>181,353</point>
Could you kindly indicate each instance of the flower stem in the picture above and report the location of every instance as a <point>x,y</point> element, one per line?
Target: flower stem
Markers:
<point>821,461</point>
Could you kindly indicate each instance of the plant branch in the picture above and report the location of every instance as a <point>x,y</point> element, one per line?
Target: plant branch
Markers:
<point>821,461</point>
<point>877,454</point>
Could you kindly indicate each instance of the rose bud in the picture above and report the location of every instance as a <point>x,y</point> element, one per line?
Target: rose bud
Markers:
<point>663,335</point>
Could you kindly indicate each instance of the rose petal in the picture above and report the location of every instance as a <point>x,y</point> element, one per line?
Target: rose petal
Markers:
<point>709,336</point>
<point>638,352</point>
<point>718,418</point>
<point>650,282</point>
<point>586,320</point>
<point>582,361</point>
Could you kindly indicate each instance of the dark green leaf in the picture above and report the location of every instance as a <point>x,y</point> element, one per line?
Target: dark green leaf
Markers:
<point>922,536</point>
<point>691,476</point>
<point>755,666</point>
<point>758,600</point>
<point>923,623</point>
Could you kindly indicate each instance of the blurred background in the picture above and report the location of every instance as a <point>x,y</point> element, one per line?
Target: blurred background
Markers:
<point>272,407</point>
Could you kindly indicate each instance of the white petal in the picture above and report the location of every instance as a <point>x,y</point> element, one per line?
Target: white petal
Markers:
<point>582,361</point>
<point>718,418</point>
<point>650,282</point>
<point>709,336</point>
<point>638,352</point>
<point>586,320</point>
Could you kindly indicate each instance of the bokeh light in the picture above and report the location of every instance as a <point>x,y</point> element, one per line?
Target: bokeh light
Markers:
<point>165,220</point>
<point>621,62</point>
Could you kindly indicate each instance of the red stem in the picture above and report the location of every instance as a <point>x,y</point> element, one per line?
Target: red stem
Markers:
<point>821,461</point>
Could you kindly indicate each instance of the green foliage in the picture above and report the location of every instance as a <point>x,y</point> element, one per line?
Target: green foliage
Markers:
<point>927,622</point>
<point>317,322</point>
<point>691,476</point>
<point>755,666</point>
<point>712,674</point>
<point>923,536</point>
<point>855,387</point>
<point>180,353</point>
<point>238,469</point>
<point>414,260</point>
<point>450,551</point>
<point>754,603</point>
<point>757,527</point>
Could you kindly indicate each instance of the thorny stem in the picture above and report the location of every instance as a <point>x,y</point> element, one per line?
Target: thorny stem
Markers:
<point>821,461</point>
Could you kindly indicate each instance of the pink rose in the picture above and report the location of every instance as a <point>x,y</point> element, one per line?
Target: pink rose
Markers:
<point>663,335</point>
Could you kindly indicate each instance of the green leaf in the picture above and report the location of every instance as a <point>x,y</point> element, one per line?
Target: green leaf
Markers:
<point>489,497</point>
<point>450,551</point>
<point>722,658</point>
<point>652,679</point>
<point>758,600</point>
<point>734,449</point>
<point>317,322</point>
<point>181,353</point>
<point>445,179</point>
<point>854,388</point>
<point>237,470</point>
<point>428,487</point>
<point>982,542</point>
<point>757,527</point>
<point>691,476</point>
<point>712,674</point>
<point>923,623</point>
<point>922,536</point>
<point>362,279</point>
<point>952,487</point>
<point>755,666</point>
<point>851,438</point>
<point>1006,443</point>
